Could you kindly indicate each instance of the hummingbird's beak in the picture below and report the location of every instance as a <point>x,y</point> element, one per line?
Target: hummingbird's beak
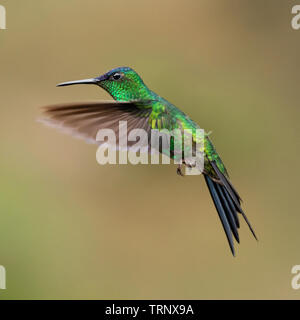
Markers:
<point>84,81</point>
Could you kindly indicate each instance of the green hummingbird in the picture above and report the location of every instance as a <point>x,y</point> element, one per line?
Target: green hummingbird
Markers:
<point>144,109</point>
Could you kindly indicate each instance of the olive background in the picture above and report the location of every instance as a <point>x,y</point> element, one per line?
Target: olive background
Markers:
<point>70,228</point>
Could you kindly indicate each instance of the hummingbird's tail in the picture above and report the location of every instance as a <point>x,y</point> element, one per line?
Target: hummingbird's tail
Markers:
<point>227,203</point>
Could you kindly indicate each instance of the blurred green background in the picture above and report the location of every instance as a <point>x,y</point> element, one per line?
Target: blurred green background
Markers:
<point>70,228</point>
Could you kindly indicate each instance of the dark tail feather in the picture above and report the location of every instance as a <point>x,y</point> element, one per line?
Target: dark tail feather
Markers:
<point>249,225</point>
<point>232,207</point>
<point>230,214</point>
<point>224,210</point>
<point>231,195</point>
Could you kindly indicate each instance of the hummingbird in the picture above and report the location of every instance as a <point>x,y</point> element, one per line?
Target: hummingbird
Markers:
<point>142,108</point>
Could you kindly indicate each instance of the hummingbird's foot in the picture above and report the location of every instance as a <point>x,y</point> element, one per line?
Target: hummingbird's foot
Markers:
<point>179,170</point>
<point>189,164</point>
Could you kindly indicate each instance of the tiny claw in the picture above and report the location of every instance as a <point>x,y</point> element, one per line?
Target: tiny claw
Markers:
<point>179,171</point>
<point>189,164</point>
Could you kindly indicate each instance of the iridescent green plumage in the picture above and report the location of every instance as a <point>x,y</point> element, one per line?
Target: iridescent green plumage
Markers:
<point>142,108</point>
<point>164,115</point>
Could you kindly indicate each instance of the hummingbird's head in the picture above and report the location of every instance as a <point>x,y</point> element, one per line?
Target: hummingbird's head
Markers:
<point>122,83</point>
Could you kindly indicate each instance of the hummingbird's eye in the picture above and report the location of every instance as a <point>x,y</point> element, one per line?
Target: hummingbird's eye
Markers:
<point>117,76</point>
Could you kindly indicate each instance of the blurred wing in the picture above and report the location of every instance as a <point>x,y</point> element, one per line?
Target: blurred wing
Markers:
<point>84,120</point>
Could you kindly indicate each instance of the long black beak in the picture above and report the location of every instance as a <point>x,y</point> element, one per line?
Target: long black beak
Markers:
<point>96,80</point>
<point>84,81</point>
